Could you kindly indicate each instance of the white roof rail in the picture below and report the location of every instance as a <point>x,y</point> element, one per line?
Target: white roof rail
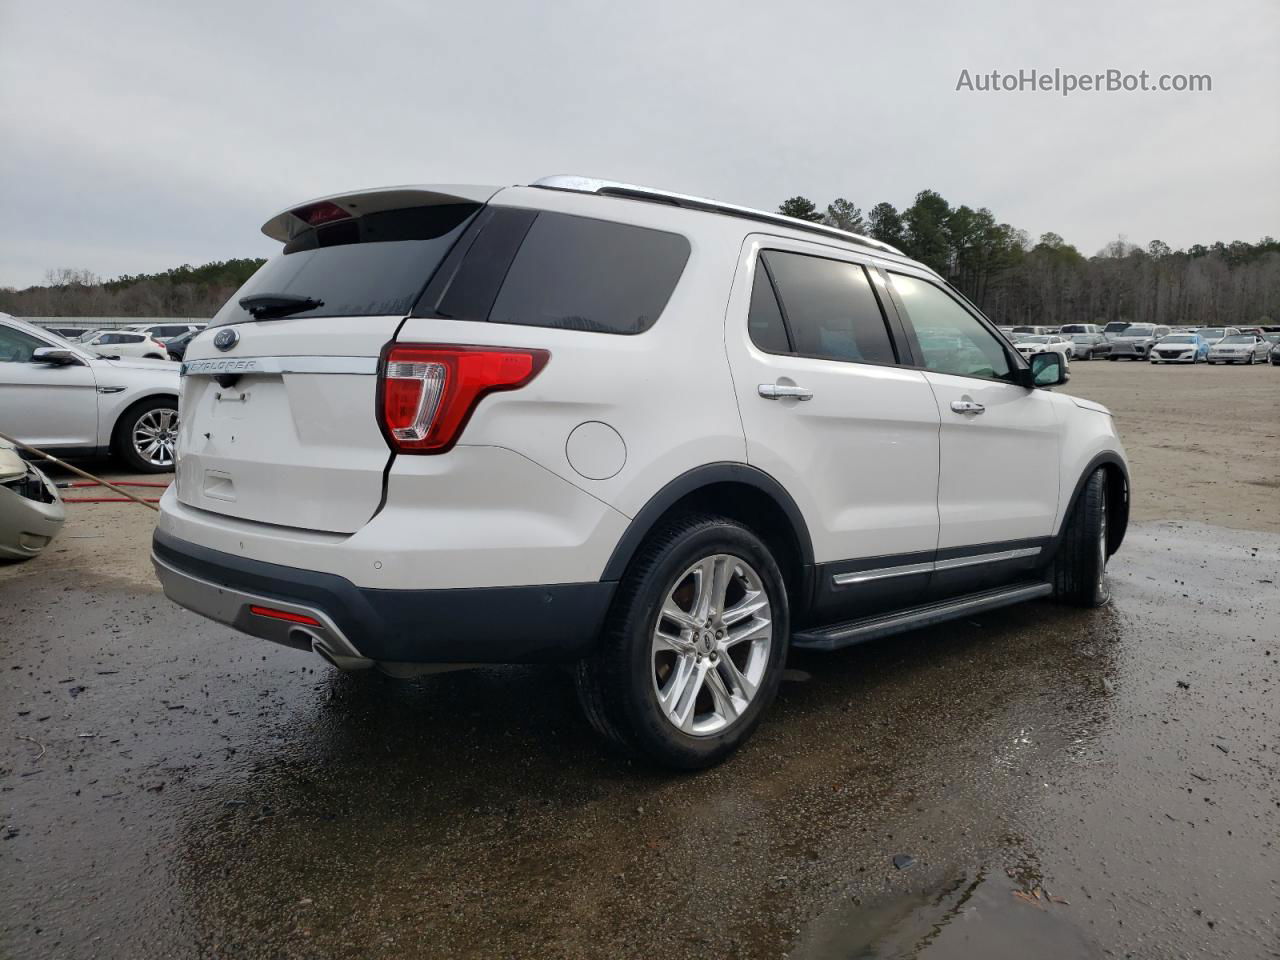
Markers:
<point>613,188</point>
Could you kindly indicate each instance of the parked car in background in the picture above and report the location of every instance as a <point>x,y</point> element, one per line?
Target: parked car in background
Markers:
<point>1089,346</point>
<point>1069,329</point>
<point>1136,341</point>
<point>464,459</point>
<point>177,347</point>
<point>70,400</point>
<point>1212,335</point>
<point>1115,328</point>
<point>165,331</point>
<point>1180,348</point>
<point>127,343</point>
<point>1241,348</point>
<point>31,512</point>
<point>1031,331</point>
<point>69,333</point>
<point>1044,343</point>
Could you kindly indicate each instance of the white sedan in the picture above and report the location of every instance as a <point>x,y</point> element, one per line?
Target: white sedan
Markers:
<point>1241,348</point>
<point>127,343</point>
<point>71,400</point>
<point>1045,343</point>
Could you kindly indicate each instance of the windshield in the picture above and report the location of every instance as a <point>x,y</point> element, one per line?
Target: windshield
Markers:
<point>1179,339</point>
<point>1114,327</point>
<point>1083,337</point>
<point>1240,338</point>
<point>1212,333</point>
<point>1033,339</point>
<point>1138,330</point>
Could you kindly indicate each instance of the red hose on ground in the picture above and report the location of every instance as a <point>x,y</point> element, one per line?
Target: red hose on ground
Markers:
<point>119,483</point>
<point>108,500</point>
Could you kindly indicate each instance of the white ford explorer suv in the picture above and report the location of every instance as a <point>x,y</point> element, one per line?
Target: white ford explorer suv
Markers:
<point>657,437</point>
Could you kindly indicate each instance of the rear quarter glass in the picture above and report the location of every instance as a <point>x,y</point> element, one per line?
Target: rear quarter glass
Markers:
<point>374,265</point>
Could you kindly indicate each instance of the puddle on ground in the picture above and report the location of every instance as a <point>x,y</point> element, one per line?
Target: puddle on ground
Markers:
<point>987,916</point>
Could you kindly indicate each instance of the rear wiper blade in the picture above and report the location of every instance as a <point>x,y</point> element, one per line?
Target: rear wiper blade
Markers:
<point>269,306</point>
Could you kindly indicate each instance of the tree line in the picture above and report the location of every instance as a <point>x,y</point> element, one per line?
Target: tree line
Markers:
<point>1014,280</point>
<point>1050,282</point>
<point>184,291</point>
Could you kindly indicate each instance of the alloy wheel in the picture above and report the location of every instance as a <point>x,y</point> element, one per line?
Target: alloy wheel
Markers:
<point>154,436</point>
<point>711,645</point>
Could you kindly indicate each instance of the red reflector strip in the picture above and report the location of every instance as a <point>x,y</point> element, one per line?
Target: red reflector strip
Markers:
<point>285,615</point>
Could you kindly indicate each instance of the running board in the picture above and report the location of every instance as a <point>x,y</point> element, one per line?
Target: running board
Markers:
<point>849,632</point>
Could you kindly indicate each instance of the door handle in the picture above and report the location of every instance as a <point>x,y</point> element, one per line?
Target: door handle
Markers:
<point>967,406</point>
<point>778,391</point>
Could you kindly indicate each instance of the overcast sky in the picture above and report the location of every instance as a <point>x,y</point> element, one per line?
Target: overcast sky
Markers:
<point>138,136</point>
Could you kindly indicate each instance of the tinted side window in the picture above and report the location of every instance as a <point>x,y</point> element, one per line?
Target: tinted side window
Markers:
<point>830,308</point>
<point>952,339</point>
<point>576,273</point>
<point>764,322</point>
<point>16,346</point>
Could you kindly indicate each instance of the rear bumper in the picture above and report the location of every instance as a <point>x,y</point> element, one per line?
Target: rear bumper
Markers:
<point>360,626</point>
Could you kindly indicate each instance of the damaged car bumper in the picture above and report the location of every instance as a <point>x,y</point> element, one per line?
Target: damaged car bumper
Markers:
<point>31,512</point>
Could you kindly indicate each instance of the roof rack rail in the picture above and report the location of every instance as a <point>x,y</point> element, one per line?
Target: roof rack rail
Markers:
<point>613,188</point>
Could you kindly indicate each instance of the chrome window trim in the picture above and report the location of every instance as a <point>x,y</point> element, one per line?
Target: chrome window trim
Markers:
<point>212,366</point>
<point>855,577</point>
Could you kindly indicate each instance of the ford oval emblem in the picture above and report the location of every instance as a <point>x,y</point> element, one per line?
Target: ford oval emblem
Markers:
<point>226,339</point>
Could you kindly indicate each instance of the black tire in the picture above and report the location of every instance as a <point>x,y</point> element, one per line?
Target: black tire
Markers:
<point>617,685</point>
<point>1109,357</point>
<point>122,438</point>
<point>152,356</point>
<point>1079,569</point>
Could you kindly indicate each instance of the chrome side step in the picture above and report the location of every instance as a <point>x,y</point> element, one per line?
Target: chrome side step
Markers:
<point>838,635</point>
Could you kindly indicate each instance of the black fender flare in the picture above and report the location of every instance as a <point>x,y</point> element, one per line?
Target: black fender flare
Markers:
<point>690,482</point>
<point>1117,529</point>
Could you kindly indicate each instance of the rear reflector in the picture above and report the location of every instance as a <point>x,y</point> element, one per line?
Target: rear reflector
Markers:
<point>273,614</point>
<point>429,391</point>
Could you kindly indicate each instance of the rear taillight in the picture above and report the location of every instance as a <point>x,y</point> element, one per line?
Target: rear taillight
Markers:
<point>428,392</point>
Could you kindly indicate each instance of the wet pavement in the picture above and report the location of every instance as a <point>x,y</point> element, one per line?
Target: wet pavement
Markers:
<point>1052,782</point>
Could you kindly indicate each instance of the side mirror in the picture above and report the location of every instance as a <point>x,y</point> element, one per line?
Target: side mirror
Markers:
<point>1048,369</point>
<point>54,356</point>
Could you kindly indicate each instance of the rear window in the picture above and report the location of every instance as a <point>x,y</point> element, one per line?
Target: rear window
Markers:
<point>369,266</point>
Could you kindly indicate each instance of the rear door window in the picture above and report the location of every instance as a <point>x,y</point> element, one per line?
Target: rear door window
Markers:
<point>373,265</point>
<point>829,307</point>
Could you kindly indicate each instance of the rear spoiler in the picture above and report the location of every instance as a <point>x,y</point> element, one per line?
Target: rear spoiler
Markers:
<point>287,224</point>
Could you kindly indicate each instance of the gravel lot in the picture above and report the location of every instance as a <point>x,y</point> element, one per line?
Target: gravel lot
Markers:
<point>1064,783</point>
